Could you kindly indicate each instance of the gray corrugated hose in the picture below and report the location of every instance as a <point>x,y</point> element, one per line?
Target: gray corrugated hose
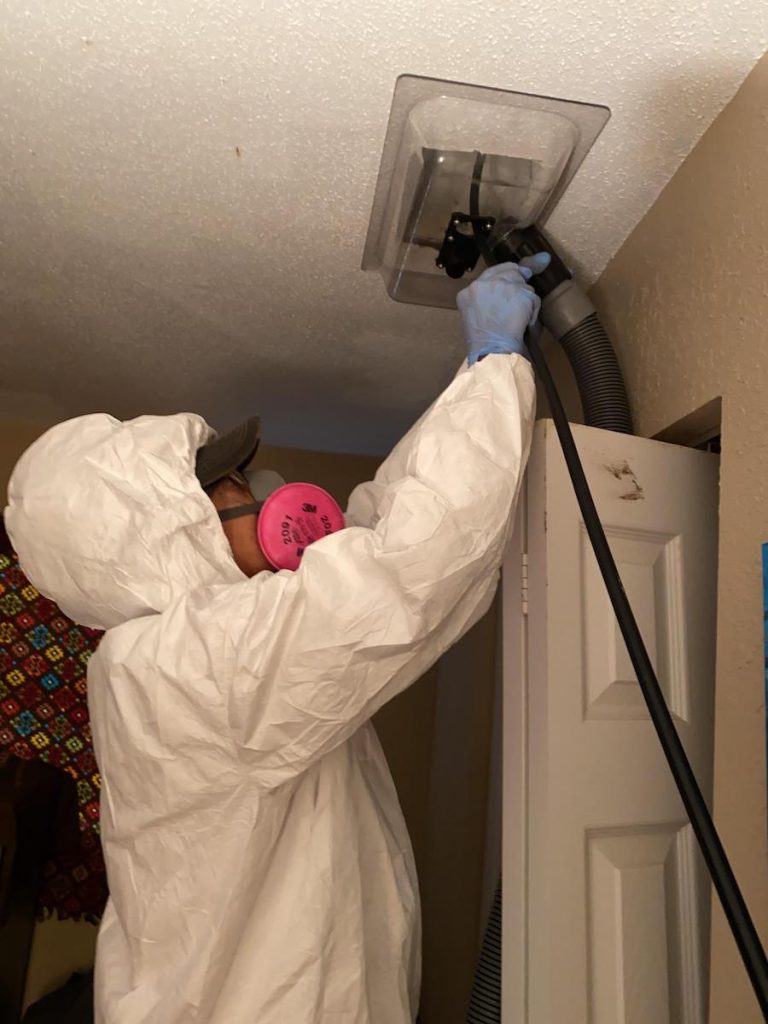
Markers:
<point>485,1005</point>
<point>601,384</point>
<point>570,317</point>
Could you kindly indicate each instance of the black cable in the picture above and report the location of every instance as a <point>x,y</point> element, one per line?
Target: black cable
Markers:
<point>723,878</point>
<point>736,911</point>
<point>474,209</point>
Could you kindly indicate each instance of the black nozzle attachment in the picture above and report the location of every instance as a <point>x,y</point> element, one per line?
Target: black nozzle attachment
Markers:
<point>510,244</point>
<point>566,311</point>
<point>460,250</point>
<point>571,319</point>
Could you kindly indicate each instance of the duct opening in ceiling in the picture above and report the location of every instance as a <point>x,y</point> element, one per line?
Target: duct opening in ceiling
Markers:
<point>533,146</point>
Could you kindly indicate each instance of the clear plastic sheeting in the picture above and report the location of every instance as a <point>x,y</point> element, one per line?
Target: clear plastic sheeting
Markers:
<point>533,145</point>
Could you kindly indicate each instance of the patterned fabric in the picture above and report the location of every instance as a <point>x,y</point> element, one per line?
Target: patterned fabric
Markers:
<point>74,879</point>
<point>44,717</point>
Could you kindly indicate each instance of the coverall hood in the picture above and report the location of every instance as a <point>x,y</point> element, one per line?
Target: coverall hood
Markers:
<point>109,520</point>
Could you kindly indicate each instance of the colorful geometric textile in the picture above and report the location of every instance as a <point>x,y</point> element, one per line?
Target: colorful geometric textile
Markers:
<point>44,717</point>
<point>74,878</point>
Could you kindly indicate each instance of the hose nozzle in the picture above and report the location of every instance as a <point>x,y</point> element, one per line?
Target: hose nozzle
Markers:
<point>570,317</point>
<point>510,243</point>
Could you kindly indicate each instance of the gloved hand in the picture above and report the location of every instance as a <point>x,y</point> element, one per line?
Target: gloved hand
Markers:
<point>499,306</point>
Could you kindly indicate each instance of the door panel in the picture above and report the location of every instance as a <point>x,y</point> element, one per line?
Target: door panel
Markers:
<point>606,901</point>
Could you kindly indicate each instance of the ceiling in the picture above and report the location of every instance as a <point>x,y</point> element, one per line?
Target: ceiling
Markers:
<point>186,188</point>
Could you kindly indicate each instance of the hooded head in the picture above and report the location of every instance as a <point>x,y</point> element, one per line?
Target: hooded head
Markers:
<point>109,520</point>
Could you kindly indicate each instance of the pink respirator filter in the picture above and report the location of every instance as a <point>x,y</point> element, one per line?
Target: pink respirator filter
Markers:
<point>293,517</point>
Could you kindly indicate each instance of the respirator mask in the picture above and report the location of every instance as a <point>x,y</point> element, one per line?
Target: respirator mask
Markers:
<point>290,517</point>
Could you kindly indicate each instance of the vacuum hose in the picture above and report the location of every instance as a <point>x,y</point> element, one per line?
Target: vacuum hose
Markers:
<point>570,316</point>
<point>601,384</point>
<point>566,312</point>
<point>727,888</point>
<point>572,320</point>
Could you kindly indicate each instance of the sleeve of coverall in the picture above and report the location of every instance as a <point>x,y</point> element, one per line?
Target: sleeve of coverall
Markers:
<point>371,608</point>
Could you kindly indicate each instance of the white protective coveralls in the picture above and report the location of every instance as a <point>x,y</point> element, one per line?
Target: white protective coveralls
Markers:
<point>258,861</point>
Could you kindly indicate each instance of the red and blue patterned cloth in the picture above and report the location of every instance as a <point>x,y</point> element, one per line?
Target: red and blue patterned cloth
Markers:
<point>44,717</point>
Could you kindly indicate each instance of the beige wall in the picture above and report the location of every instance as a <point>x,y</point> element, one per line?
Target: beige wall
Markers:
<point>15,436</point>
<point>686,301</point>
<point>443,797</point>
<point>59,948</point>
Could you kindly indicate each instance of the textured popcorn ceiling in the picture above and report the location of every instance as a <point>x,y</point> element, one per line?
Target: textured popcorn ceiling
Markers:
<point>186,186</point>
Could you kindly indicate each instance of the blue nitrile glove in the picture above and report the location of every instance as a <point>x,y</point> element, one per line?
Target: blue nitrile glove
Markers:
<point>499,307</point>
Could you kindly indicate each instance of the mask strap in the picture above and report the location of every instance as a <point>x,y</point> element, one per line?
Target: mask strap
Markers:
<point>242,510</point>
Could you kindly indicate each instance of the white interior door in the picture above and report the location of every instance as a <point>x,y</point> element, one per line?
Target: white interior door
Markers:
<point>606,900</point>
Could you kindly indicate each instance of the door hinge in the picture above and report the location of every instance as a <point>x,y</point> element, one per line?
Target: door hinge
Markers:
<point>524,583</point>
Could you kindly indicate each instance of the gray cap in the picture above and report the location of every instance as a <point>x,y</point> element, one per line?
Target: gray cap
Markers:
<point>233,450</point>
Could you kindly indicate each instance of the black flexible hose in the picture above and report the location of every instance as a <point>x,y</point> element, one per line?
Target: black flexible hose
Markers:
<point>474,209</point>
<point>604,398</point>
<point>587,345</point>
<point>736,911</point>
